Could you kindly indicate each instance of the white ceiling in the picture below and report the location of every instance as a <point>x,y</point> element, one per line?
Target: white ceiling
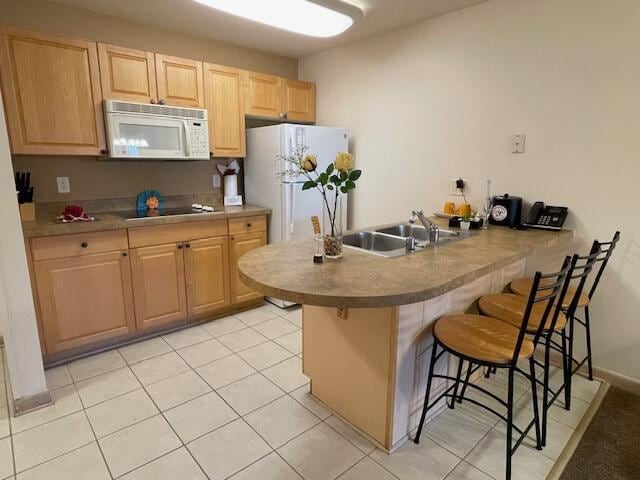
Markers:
<point>189,17</point>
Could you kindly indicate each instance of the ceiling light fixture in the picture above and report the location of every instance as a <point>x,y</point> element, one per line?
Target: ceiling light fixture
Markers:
<point>318,18</point>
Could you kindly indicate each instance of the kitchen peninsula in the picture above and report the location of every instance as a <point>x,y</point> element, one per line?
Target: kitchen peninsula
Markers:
<point>367,319</point>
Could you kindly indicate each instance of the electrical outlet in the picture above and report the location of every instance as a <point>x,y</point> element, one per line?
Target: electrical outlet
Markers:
<point>216,181</point>
<point>63,184</point>
<point>517,143</point>
<point>453,186</point>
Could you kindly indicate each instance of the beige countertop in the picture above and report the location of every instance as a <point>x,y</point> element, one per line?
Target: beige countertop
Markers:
<point>362,280</point>
<point>46,226</point>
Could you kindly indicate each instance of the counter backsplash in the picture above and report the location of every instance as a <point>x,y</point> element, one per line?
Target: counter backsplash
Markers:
<point>48,210</point>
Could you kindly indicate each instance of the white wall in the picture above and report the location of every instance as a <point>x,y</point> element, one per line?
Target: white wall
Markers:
<point>441,98</point>
<point>17,313</point>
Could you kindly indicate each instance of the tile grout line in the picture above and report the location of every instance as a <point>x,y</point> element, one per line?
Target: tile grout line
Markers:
<point>104,459</point>
<point>182,444</point>
<point>6,396</point>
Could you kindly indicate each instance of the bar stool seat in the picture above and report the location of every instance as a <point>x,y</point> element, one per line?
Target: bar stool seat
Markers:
<point>510,308</point>
<point>481,338</point>
<point>522,286</point>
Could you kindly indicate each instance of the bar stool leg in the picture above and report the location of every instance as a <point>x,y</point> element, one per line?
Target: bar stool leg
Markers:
<point>545,389</point>
<point>426,395</point>
<point>587,324</point>
<point>466,382</point>
<point>452,403</point>
<point>534,394</point>
<point>509,424</point>
<point>567,364</point>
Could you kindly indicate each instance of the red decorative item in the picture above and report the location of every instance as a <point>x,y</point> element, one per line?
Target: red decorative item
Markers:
<point>74,213</point>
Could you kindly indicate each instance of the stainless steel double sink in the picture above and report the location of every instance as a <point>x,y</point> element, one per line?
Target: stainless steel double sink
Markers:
<point>391,241</point>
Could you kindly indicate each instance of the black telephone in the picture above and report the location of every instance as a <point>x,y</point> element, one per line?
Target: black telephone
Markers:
<point>547,217</point>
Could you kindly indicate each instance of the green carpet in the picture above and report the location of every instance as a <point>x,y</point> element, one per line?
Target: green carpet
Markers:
<point>610,448</point>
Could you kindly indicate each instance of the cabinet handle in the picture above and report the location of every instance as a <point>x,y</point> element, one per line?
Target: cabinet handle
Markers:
<point>161,101</point>
<point>104,151</point>
<point>153,101</point>
<point>188,245</point>
<point>124,254</point>
<point>180,247</point>
<point>84,244</point>
<point>248,225</point>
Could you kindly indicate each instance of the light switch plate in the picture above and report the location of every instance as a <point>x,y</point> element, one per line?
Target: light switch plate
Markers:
<point>216,181</point>
<point>517,143</point>
<point>63,184</point>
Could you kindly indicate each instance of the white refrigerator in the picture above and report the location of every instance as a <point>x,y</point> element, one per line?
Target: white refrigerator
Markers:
<point>291,208</point>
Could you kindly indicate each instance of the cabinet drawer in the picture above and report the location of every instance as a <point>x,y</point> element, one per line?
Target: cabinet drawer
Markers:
<point>257,223</point>
<point>175,233</point>
<point>46,248</point>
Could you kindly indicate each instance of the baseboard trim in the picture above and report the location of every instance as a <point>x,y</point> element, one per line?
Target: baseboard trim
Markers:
<point>574,441</point>
<point>615,379</point>
<point>618,380</point>
<point>32,402</point>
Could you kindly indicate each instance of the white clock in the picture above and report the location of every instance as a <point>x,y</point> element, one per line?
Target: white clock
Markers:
<point>499,213</point>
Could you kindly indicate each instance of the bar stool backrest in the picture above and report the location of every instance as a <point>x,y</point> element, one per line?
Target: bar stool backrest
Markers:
<point>549,293</point>
<point>580,269</point>
<point>605,254</point>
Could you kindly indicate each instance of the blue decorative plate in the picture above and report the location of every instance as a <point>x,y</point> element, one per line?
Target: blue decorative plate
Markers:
<point>141,202</point>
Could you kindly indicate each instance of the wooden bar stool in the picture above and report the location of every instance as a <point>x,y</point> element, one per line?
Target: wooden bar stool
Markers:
<point>509,307</point>
<point>489,342</point>
<point>522,286</point>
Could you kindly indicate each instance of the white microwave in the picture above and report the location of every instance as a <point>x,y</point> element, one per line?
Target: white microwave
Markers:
<point>146,131</point>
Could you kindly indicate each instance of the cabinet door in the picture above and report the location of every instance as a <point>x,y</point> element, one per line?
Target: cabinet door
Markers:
<point>224,102</point>
<point>84,299</point>
<point>241,244</point>
<point>207,273</point>
<point>127,74</point>
<point>180,81</point>
<point>51,87</point>
<point>262,95</point>
<point>300,101</point>
<point>159,287</point>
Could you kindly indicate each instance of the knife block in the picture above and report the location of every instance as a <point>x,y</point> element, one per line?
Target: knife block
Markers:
<point>28,212</point>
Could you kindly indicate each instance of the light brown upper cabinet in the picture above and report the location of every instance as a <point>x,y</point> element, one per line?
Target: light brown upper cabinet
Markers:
<point>158,284</point>
<point>224,102</point>
<point>207,272</point>
<point>127,74</point>
<point>51,87</point>
<point>299,100</point>
<point>262,95</point>
<point>140,76</point>
<point>240,244</point>
<point>275,97</point>
<point>180,81</point>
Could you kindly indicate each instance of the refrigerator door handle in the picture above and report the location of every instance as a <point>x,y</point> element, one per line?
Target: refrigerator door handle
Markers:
<point>289,212</point>
<point>292,209</point>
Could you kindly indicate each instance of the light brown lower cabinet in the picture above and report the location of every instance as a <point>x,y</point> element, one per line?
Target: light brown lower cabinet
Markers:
<point>240,244</point>
<point>207,273</point>
<point>84,299</point>
<point>91,287</point>
<point>159,284</point>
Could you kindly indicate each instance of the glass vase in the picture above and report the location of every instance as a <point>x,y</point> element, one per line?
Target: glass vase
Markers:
<point>332,225</point>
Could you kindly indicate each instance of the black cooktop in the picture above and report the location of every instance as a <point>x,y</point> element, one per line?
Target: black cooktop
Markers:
<point>160,212</point>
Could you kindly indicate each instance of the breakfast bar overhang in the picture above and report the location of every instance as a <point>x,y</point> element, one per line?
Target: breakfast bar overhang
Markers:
<point>367,319</point>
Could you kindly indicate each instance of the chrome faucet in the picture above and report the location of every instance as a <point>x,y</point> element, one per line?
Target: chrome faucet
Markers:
<point>432,228</point>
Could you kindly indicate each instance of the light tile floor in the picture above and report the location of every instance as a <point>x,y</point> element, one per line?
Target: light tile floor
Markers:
<point>228,400</point>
